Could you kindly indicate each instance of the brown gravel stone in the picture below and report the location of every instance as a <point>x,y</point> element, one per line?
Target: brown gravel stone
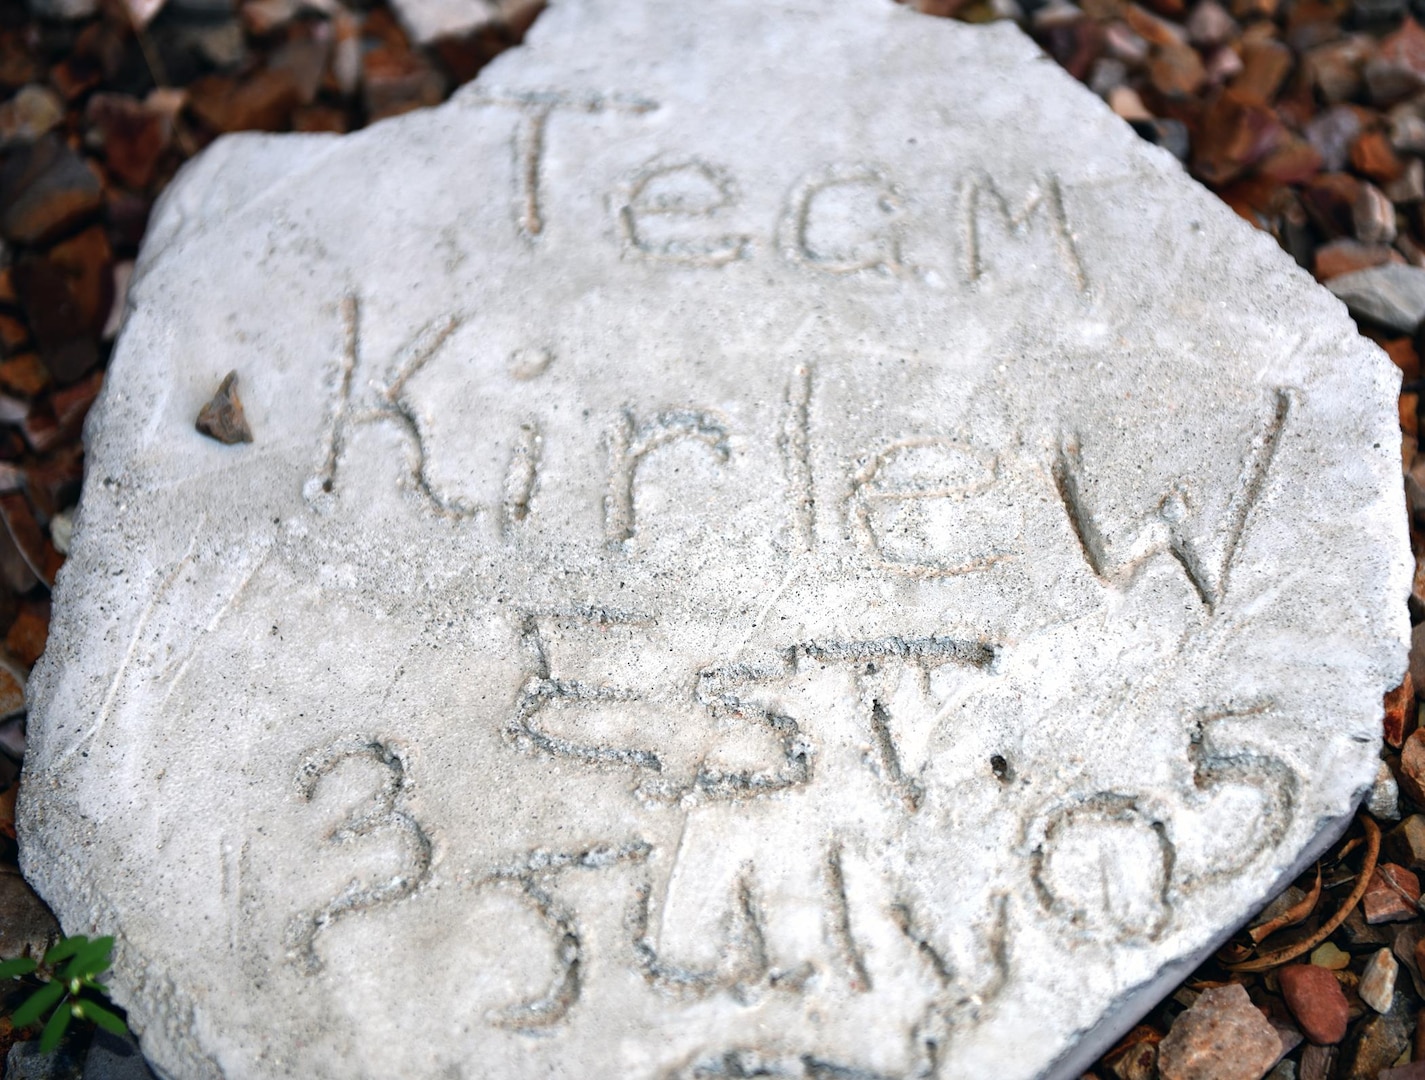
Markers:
<point>1412,751</point>
<point>1236,134</point>
<point>1409,186</point>
<point>18,63</point>
<point>319,118</point>
<point>1373,216</point>
<point>24,375</point>
<point>1372,155</point>
<point>26,926</point>
<point>1377,1042</point>
<point>1292,161</point>
<point>1222,1037</point>
<point>222,417</point>
<point>1393,894</point>
<point>1398,68</point>
<point>1265,66</point>
<point>396,80</point>
<point>1335,69</point>
<point>1136,1055</point>
<point>1405,844</point>
<point>1346,256</point>
<point>1417,589</point>
<point>305,59</point>
<point>1400,713</point>
<point>1315,999</point>
<point>67,350</point>
<point>262,102</point>
<point>1330,199</point>
<point>1407,130</point>
<point>28,633</point>
<point>14,334</point>
<point>86,262</point>
<point>1317,1063</point>
<point>44,189</point>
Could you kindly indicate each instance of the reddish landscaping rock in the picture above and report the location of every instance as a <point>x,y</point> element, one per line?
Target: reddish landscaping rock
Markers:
<point>45,188</point>
<point>131,135</point>
<point>305,60</point>
<point>1400,711</point>
<point>1398,68</point>
<point>1293,161</point>
<point>24,375</point>
<point>1265,66</point>
<point>1412,751</point>
<point>1405,844</point>
<point>33,112</point>
<point>1393,895</point>
<point>1317,1062</point>
<point>1373,216</point>
<point>319,118</point>
<point>1335,69</point>
<point>1235,134</point>
<point>1136,1055</point>
<point>1316,1000</point>
<point>26,926</point>
<point>1372,155</point>
<point>396,81</point>
<point>1222,1037</point>
<point>86,260</point>
<point>1330,199</point>
<point>261,102</point>
<point>66,348</point>
<point>28,633</point>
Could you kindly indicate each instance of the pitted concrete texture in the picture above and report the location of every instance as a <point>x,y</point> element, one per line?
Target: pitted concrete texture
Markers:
<point>781,540</point>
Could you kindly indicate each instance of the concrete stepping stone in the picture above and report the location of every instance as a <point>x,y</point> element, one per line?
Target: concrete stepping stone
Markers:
<point>778,539</point>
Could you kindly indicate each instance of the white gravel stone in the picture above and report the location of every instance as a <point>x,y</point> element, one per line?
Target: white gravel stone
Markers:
<point>781,537</point>
<point>429,20</point>
<point>1383,802</point>
<point>1377,986</point>
<point>1392,296</point>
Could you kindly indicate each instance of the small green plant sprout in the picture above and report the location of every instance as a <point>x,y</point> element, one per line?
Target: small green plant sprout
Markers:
<point>72,990</point>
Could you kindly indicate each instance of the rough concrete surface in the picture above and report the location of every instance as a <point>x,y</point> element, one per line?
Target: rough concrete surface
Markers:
<point>779,536</point>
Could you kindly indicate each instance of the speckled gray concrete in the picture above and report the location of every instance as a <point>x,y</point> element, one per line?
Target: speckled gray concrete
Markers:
<point>780,537</point>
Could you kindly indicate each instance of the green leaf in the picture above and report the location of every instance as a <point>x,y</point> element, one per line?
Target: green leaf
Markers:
<point>38,1004</point>
<point>109,1021</point>
<point>65,948</point>
<point>93,958</point>
<point>54,1030</point>
<point>13,969</point>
